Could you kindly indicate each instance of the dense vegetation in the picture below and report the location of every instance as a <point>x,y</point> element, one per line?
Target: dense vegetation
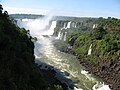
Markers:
<point>103,35</point>
<point>105,40</point>
<point>18,70</point>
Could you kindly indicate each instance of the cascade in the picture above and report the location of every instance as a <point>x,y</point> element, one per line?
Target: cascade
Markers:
<point>64,26</point>
<point>75,24</point>
<point>94,26</point>
<point>68,25</point>
<point>90,50</point>
<point>39,26</point>
<point>51,29</point>
<point>65,36</point>
<point>59,34</point>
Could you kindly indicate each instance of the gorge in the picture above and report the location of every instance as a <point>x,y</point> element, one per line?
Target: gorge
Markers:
<point>65,62</point>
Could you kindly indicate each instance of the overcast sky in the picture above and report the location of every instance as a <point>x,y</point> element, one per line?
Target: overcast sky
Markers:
<point>90,8</point>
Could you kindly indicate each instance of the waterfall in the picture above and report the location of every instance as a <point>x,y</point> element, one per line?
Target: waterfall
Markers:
<point>64,26</point>
<point>75,24</point>
<point>41,26</point>
<point>62,36</point>
<point>68,25</point>
<point>95,26</point>
<point>65,36</point>
<point>59,34</point>
<point>51,29</point>
<point>90,50</point>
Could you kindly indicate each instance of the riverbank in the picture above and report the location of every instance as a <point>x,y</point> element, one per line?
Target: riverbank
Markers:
<point>107,70</point>
<point>107,74</point>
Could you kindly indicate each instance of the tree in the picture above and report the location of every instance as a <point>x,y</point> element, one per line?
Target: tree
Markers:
<point>98,33</point>
<point>6,13</point>
<point>1,8</point>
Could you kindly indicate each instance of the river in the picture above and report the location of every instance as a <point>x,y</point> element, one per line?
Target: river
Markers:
<point>47,53</point>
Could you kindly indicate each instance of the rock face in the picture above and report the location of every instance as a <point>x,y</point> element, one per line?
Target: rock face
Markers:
<point>109,72</point>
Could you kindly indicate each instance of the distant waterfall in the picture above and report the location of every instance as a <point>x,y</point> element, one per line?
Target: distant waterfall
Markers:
<point>65,36</point>
<point>41,26</point>
<point>64,26</point>
<point>75,25</point>
<point>95,26</point>
<point>51,29</point>
<point>90,50</point>
<point>61,36</point>
<point>68,25</point>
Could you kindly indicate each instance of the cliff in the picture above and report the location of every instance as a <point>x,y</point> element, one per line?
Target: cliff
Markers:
<point>18,70</point>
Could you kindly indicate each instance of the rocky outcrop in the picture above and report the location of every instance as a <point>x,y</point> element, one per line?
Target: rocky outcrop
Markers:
<point>107,70</point>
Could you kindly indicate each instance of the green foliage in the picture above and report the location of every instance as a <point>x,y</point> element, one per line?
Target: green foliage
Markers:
<point>105,40</point>
<point>58,87</point>
<point>81,51</point>
<point>98,33</point>
<point>18,70</point>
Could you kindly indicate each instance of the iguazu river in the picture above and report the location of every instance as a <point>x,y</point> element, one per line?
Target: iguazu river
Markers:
<point>47,53</point>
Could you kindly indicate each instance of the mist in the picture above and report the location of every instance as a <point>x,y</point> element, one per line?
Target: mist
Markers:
<point>40,26</point>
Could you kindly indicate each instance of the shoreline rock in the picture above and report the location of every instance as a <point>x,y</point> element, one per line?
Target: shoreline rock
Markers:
<point>55,75</point>
<point>109,76</point>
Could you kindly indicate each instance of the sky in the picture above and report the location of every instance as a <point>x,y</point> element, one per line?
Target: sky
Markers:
<point>79,8</point>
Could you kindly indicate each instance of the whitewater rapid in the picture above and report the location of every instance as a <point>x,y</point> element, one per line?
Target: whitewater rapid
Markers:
<point>67,63</point>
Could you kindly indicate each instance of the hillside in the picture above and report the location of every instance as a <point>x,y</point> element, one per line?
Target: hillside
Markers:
<point>96,43</point>
<point>18,70</point>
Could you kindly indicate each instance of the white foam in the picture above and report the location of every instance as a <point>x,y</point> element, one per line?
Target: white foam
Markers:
<point>77,88</point>
<point>88,76</point>
<point>84,72</point>
<point>101,86</point>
